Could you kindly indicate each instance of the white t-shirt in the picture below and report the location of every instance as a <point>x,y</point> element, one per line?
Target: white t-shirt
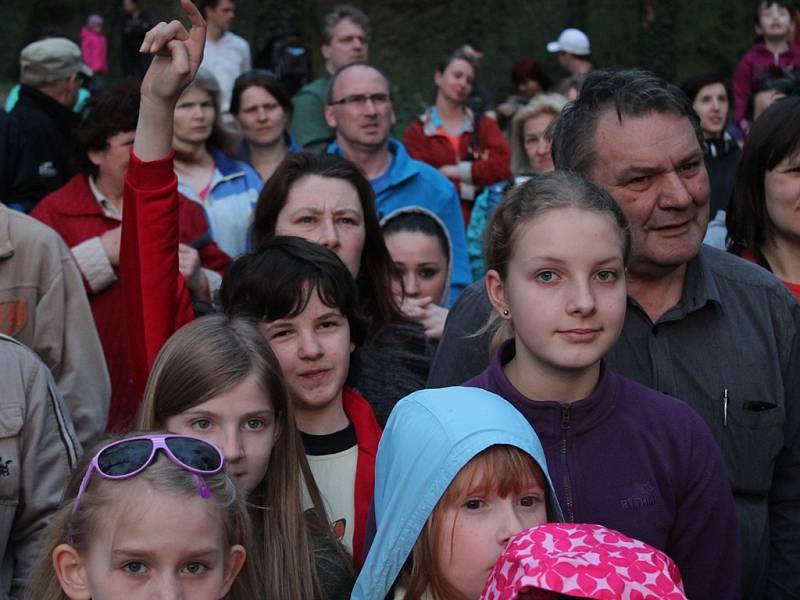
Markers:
<point>227,58</point>
<point>335,475</point>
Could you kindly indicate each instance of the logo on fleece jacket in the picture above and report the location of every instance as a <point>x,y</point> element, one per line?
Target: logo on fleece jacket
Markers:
<point>643,495</point>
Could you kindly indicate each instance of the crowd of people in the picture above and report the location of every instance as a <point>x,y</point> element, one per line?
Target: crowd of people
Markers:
<point>255,346</point>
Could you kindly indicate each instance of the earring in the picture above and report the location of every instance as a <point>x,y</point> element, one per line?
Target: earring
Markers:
<point>506,312</point>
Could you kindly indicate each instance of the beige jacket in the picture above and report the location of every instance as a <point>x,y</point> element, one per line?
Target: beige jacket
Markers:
<point>43,304</point>
<point>37,451</point>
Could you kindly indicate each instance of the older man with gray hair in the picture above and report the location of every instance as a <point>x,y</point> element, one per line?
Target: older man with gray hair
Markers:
<point>50,77</point>
<point>702,325</point>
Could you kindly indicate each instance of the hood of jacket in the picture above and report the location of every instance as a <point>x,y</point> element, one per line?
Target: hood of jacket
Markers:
<point>419,210</point>
<point>430,436</point>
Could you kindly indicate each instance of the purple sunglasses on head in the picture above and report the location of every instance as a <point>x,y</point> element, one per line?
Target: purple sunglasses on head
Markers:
<point>129,457</point>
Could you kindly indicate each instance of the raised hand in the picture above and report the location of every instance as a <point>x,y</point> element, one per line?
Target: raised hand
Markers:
<point>177,55</point>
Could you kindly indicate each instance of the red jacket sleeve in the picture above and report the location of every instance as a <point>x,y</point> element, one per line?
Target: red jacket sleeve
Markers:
<point>416,142</point>
<point>156,298</point>
<point>496,166</point>
<point>194,228</point>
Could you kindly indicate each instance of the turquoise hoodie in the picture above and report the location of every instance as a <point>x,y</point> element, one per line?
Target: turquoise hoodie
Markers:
<point>430,435</point>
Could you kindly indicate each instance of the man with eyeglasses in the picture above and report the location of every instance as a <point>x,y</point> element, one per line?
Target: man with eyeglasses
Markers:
<point>345,39</point>
<point>359,109</point>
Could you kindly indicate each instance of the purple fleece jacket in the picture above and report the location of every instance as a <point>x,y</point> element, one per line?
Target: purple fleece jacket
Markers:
<point>640,462</point>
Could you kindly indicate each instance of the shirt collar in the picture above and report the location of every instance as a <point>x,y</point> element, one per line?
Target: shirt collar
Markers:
<point>109,208</point>
<point>699,289</point>
<point>436,122</point>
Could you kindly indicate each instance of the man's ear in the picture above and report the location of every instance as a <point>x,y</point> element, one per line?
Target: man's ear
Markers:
<point>71,572</point>
<point>495,289</point>
<point>234,561</point>
<point>325,49</point>
<point>330,116</point>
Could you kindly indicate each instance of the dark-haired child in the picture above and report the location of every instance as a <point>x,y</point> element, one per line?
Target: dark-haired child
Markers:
<point>307,299</point>
<point>774,57</point>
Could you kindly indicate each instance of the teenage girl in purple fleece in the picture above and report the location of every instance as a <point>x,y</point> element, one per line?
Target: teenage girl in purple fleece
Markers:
<point>620,454</point>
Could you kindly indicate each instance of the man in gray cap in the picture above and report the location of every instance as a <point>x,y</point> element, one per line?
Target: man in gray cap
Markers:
<point>574,51</point>
<point>50,76</point>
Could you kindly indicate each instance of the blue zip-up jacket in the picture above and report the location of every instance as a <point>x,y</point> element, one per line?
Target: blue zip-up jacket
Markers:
<point>243,151</point>
<point>430,436</point>
<point>230,203</point>
<point>414,183</point>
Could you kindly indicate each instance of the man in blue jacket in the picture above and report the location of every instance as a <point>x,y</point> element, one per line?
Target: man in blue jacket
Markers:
<point>360,110</point>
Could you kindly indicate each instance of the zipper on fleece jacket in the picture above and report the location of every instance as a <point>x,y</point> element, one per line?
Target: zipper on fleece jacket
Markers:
<point>569,514</point>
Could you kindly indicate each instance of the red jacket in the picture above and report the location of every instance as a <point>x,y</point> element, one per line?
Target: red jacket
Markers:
<point>75,214</point>
<point>150,198</point>
<point>368,434</point>
<point>157,300</point>
<point>424,143</point>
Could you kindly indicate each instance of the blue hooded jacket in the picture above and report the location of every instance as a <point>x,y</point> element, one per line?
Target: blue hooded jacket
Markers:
<point>412,182</point>
<point>430,436</point>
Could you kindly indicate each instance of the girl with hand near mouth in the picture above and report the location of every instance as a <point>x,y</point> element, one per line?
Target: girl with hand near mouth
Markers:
<point>621,455</point>
<point>423,256</point>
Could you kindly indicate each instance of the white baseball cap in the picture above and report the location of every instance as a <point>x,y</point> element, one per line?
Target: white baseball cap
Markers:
<point>573,41</point>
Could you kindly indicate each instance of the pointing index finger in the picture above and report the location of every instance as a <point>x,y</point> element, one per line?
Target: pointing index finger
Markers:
<point>193,13</point>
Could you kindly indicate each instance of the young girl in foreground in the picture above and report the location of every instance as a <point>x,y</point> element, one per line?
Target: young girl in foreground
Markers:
<point>169,524</point>
<point>217,379</point>
<point>622,455</point>
<point>459,472</point>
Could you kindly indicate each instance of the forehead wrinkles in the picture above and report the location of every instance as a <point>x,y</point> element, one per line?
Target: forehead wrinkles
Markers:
<point>653,139</point>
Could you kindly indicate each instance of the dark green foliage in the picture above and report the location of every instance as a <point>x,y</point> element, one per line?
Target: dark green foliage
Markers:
<point>675,38</point>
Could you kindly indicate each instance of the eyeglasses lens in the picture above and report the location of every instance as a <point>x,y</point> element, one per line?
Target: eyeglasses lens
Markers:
<point>124,458</point>
<point>195,453</point>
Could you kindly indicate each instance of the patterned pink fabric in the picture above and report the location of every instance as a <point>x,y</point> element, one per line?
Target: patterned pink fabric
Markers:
<point>582,561</point>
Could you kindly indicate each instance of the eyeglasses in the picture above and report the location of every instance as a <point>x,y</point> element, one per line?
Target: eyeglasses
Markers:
<point>361,99</point>
<point>129,457</point>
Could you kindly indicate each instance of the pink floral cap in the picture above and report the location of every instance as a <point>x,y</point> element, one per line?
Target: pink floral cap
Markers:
<point>582,561</point>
